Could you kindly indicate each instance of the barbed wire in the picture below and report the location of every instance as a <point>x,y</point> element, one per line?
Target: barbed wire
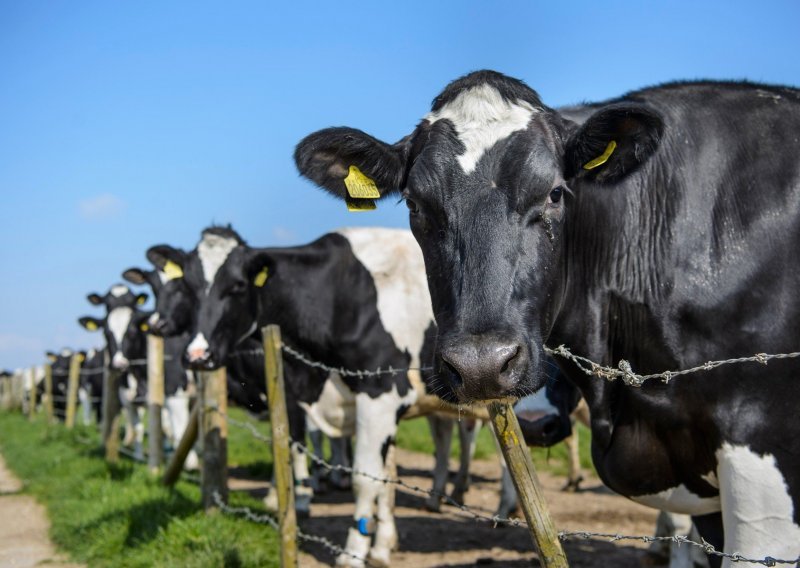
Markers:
<point>249,427</point>
<point>264,519</point>
<point>347,372</point>
<point>625,372</point>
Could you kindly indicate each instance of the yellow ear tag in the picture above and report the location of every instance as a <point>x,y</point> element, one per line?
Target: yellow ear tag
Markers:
<point>144,327</point>
<point>360,186</point>
<point>52,358</point>
<point>81,357</point>
<point>602,158</point>
<point>91,326</point>
<point>261,278</point>
<point>172,271</point>
<point>141,300</point>
<point>358,205</point>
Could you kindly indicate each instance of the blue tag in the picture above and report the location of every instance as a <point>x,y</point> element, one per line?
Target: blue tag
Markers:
<point>363,526</point>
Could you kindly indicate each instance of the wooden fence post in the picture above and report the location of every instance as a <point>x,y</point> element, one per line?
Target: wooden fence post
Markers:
<point>213,402</point>
<point>72,388</point>
<point>281,452</point>
<point>32,395</point>
<point>47,399</point>
<point>531,498</point>
<point>111,407</point>
<point>17,389</point>
<point>173,471</point>
<point>5,385</point>
<point>155,401</point>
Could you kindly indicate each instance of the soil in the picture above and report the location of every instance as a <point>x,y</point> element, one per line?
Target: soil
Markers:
<point>24,528</point>
<point>453,539</point>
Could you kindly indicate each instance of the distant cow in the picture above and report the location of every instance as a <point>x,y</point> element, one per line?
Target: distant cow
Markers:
<point>661,227</point>
<point>121,327</point>
<point>354,299</point>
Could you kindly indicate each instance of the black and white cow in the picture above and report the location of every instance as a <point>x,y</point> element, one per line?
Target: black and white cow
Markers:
<point>122,327</point>
<point>59,368</point>
<point>661,227</point>
<point>355,299</point>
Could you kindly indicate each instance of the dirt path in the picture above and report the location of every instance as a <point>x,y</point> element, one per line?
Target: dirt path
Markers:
<point>24,527</point>
<point>429,540</point>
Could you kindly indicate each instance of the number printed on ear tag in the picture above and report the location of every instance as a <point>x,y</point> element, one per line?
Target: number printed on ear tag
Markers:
<point>360,186</point>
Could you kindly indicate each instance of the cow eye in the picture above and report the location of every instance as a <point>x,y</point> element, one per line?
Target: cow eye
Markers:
<point>556,193</point>
<point>413,208</point>
<point>238,289</point>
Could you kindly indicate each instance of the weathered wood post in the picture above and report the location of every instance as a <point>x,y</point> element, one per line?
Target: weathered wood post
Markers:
<point>5,392</point>
<point>155,401</point>
<point>281,452</point>
<point>32,396</point>
<point>111,407</point>
<point>47,399</point>
<point>173,471</point>
<point>72,388</point>
<point>17,389</point>
<point>531,498</point>
<point>213,404</point>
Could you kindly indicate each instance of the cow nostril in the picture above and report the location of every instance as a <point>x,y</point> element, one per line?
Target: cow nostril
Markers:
<point>457,379</point>
<point>510,360</point>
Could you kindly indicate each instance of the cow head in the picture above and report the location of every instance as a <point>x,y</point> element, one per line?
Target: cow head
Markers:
<point>122,324</point>
<point>489,177</point>
<point>221,278</point>
<point>174,299</point>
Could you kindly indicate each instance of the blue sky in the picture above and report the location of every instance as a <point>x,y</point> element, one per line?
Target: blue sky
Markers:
<point>123,125</point>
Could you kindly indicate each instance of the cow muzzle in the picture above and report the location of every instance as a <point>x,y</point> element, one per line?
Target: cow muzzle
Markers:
<point>120,362</point>
<point>484,367</point>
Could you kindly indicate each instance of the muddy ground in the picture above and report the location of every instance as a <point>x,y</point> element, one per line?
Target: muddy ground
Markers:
<point>453,539</point>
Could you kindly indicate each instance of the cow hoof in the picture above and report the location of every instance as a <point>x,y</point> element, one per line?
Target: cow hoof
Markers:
<point>433,504</point>
<point>458,496</point>
<point>271,501</point>
<point>302,504</point>
<point>347,560</point>
<point>379,557</point>
<point>573,485</point>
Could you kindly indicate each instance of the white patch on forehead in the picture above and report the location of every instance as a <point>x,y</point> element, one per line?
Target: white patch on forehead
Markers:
<point>117,321</point>
<point>66,352</point>
<point>394,260</point>
<point>535,405</point>
<point>119,290</point>
<point>481,118</point>
<point>680,500</point>
<point>213,250</point>
<point>758,512</point>
<point>162,276</point>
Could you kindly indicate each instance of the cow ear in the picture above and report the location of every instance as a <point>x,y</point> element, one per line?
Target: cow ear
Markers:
<point>613,142</point>
<point>95,299</point>
<point>258,267</point>
<point>81,355</point>
<point>52,357</point>
<point>135,276</point>
<point>90,323</point>
<point>167,258</point>
<point>328,156</point>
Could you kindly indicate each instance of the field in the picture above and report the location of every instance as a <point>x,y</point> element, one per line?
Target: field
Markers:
<point>119,515</point>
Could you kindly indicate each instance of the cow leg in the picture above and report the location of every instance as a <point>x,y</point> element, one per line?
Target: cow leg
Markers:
<point>376,427</point>
<point>710,529</point>
<point>386,533</point>
<point>318,473</point>
<point>178,416</point>
<point>467,435</point>
<point>757,509</point>
<point>138,427</point>
<point>86,408</point>
<point>574,474</point>
<point>442,433</point>
<point>339,456</point>
<point>508,494</point>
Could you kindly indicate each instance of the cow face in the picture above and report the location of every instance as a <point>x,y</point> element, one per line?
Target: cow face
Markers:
<point>488,177</point>
<point>121,315</point>
<point>174,299</point>
<point>222,276</point>
<point>545,416</point>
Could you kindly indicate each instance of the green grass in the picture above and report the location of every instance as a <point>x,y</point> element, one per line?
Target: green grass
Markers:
<point>415,435</point>
<point>106,515</point>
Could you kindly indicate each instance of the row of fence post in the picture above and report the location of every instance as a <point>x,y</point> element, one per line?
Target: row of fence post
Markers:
<point>208,424</point>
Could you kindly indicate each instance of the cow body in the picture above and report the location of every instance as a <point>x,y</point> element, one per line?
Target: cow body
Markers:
<point>662,228</point>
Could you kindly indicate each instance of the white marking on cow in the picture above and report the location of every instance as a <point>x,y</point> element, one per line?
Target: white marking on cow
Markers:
<point>394,260</point>
<point>66,352</point>
<point>118,320</point>
<point>213,250</point>
<point>119,361</point>
<point>153,319</point>
<point>757,509</point>
<point>197,348</point>
<point>119,290</point>
<point>481,118</point>
<point>535,406</point>
<point>334,412</point>
<point>680,500</point>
